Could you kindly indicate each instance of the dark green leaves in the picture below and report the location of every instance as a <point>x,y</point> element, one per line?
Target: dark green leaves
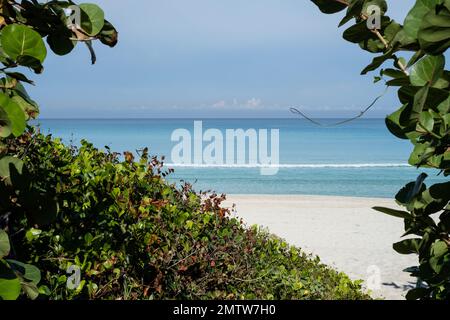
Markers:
<point>377,62</point>
<point>10,286</point>
<point>393,212</point>
<point>23,29</point>
<point>330,6</point>
<point>109,35</point>
<point>423,118</point>
<point>393,123</point>
<point>60,41</point>
<point>29,276</point>
<point>408,246</point>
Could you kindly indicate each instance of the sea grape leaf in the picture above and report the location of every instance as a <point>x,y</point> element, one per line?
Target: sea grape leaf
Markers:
<point>426,120</point>
<point>92,18</point>
<point>327,6</point>
<point>393,212</point>
<point>27,271</point>
<point>427,71</point>
<point>19,40</point>
<point>15,115</point>
<point>4,244</point>
<point>416,15</point>
<point>9,164</point>
<point>407,246</point>
<point>434,32</point>
<point>10,287</point>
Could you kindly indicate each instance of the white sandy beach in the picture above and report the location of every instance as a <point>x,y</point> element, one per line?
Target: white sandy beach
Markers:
<point>344,232</point>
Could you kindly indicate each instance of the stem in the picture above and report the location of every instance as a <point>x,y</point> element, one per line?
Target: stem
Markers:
<point>386,45</point>
<point>379,35</point>
<point>343,2</point>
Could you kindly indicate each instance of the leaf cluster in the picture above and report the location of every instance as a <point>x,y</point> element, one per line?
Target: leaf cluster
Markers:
<point>423,118</point>
<point>136,236</point>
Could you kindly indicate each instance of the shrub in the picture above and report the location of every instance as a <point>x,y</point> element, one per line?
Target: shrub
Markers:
<point>23,28</point>
<point>423,118</point>
<point>135,236</point>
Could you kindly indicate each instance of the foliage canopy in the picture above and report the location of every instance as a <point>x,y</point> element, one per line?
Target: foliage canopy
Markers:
<point>423,118</point>
<point>23,28</point>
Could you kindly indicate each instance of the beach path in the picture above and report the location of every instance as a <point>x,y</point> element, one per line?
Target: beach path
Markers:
<point>343,231</point>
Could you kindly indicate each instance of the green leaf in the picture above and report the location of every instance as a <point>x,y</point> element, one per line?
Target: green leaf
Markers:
<point>392,212</point>
<point>19,76</point>
<point>19,40</point>
<point>377,62</point>
<point>408,246</point>
<point>32,234</point>
<point>108,35</point>
<point>393,123</point>
<point>426,120</point>
<point>427,71</point>
<point>27,271</point>
<point>60,41</point>
<point>418,293</point>
<point>92,18</point>
<point>327,6</point>
<point>354,10</point>
<point>434,32</point>
<point>416,15</point>
<point>439,248</point>
<point>411,190</point>
<point>420,99</point>
<point>4,244</point>
<point>7,164</point>
<point>358,33</point>
<point>30,289</point>
<point>16,119</point>
<point>10,287</point>
<point>30,62</point>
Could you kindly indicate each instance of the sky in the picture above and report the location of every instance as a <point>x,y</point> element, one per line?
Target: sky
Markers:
<point>215,58</point>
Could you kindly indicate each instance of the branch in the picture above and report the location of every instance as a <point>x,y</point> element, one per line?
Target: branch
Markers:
<point>343,2</point>
<point>378,34</point>
<point>385,43</point>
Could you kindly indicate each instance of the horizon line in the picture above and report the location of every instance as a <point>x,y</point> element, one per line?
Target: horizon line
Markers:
<point>206,118</point>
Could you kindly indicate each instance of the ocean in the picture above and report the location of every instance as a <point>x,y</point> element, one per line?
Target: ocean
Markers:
<point>360,158</point>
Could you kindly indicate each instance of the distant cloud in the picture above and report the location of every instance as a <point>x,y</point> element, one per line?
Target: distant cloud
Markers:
<point>219,104</point>
<point>253,103</point>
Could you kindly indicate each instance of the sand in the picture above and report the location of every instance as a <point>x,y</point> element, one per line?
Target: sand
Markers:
<point>344,232</point>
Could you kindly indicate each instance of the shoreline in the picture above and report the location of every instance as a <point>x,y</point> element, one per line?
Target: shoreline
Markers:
<point>343,231</point>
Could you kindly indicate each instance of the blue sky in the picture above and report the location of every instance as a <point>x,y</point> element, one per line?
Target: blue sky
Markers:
<point>211,58</point>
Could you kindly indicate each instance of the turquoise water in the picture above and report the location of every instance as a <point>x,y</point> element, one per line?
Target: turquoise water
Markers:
<point>360,158</point>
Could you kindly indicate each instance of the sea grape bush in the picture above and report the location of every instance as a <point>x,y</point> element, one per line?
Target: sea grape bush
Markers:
<point>24,27</point>
<point>423,118</point>
<point>135,236</point>
<point>131,234</point>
